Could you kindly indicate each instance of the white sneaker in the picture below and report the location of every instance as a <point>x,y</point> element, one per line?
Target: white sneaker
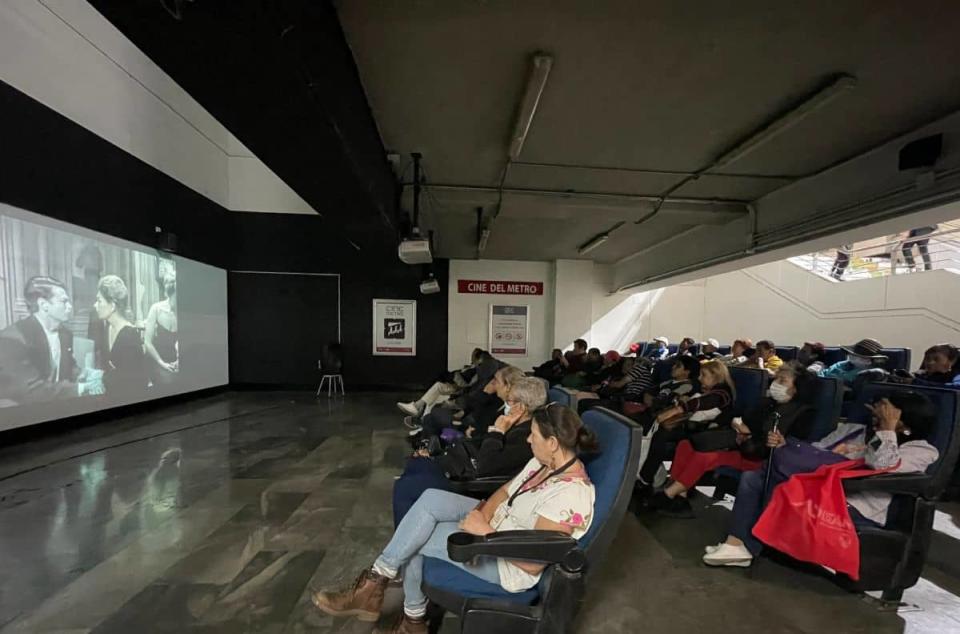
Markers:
<point>712,549</point>
<point>410,409</point>
<point>414,431</point>
<point>727,555</point>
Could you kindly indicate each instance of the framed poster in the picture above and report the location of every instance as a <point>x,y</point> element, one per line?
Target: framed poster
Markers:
<point>395,327</point>
<point>509,329</point>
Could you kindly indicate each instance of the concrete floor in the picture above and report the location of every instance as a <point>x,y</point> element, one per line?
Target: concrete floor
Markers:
<point>219,514</point>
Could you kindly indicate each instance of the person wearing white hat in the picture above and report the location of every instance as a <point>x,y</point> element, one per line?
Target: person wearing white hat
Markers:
<point>863,355</point>
<point>709,349</point>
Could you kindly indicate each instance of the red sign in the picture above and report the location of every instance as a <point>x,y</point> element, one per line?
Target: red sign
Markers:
<point>499,287</point>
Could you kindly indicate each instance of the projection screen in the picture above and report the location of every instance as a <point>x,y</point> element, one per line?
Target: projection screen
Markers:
<point>88,321</point>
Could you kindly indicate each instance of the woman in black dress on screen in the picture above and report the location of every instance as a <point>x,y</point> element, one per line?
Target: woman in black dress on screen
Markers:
<point>124,364</point>
<point>160,335</point>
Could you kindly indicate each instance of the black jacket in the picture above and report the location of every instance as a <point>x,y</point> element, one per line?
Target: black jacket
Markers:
<point>504,454</point>
<point>796,419</point>
<point>25,370</point>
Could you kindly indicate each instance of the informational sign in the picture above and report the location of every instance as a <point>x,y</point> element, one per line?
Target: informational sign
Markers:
<point>508,329</point>
<point>499,287</point>
<point>395,327</point>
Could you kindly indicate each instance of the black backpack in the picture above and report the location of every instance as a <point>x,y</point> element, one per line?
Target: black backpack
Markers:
<point>459,461</point>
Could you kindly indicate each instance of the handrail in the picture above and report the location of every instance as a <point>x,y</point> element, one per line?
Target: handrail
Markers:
<point>941,250</point>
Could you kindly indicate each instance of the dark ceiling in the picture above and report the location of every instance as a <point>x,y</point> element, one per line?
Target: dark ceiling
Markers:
<point>280,76</point>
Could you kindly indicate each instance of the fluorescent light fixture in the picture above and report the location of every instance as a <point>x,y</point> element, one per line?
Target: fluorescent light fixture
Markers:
<point>539,71</point>
<point>482,243</point>
<point>822,97</point>
<point>593,243</point>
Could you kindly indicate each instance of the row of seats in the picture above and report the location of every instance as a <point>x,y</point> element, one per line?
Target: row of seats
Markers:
<point>892,557</point>
<point>897,358</point>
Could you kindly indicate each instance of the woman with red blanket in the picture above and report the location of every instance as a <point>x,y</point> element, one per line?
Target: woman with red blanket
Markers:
<point>901,423</point>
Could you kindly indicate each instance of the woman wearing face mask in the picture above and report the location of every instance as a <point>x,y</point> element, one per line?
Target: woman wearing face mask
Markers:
<point>864,355</point>
<point>896,440</point>
<point>787,404</point>
<point>160,334</point>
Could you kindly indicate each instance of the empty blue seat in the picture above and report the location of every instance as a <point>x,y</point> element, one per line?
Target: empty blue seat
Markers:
<point>833,354</point>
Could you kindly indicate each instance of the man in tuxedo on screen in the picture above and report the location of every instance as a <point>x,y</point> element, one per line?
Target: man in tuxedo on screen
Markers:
<point>36,353</point>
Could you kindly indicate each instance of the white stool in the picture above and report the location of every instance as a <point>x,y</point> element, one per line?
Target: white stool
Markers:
<point>333,381</point>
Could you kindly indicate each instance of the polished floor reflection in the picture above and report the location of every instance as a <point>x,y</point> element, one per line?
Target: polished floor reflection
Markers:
<point>219,514</point>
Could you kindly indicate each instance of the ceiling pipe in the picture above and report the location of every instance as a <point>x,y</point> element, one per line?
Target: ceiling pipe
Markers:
<point>594,195</point>
<point>640,170</point>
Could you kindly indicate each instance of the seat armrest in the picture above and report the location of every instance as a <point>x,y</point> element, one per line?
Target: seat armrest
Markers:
<point>545,547</point>
<point>480,485</point>
<point>893,483</point>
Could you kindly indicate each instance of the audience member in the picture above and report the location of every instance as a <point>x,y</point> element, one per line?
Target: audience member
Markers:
<point>863,355</point>
<point>441,391</point>
<point>658,349</point>
<point>709,349</point>
<point>737,354</point>
<point>686,347</point>
<point>765,357</point>
<point>478,408</point>
<point>553,369</point>
<point>503,450</point>
<point>712,408</point>
<point>938,369</point>
<point>552,493</point>
<point>573,359</point>
<point>901,424</point>
<point>811,355</point>
<point>592,363</point>
<point>629,386</point>
<point>787,405</point>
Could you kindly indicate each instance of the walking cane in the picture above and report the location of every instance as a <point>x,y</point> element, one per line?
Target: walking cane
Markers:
<point>766,479</point>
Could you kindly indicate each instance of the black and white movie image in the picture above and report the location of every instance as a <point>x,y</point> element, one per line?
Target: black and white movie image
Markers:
<point>81,318</point>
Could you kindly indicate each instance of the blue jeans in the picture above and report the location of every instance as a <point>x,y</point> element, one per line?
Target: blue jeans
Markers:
<point>423,533</point>
<point>419,475</point>
<point>750,504</point>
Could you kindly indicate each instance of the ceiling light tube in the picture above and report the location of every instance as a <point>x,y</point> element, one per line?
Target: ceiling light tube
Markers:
<point>593,243</point>
<point>539,71</point>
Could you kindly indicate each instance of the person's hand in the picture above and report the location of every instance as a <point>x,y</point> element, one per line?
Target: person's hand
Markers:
<point>422,453</point>
<point>169,367</point>
<point>669,413</point>
<point>886,414</point>
<point>475,524</point>
<point>848,449</point>
<point>739,427</point>
<point>775,439</point>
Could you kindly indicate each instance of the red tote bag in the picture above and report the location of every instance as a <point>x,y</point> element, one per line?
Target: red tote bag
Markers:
<point>807,518</point>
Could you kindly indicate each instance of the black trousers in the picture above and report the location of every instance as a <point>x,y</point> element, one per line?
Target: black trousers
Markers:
<point>662,447</point>
<point>924,253</point>
<point>840,265</point>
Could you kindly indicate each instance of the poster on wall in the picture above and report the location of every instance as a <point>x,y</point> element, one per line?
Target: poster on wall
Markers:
<point>395,327</point>
<point>509,329</point>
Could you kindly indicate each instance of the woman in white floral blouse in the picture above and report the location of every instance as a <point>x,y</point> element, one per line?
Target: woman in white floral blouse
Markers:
<point>552,492</point>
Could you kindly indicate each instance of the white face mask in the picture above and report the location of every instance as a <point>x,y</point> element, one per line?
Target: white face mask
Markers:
<point>779,392</point>
<point>859,362</point>
<point>506,409</point>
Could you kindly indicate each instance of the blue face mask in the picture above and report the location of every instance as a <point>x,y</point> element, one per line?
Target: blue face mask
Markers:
<point>859,362</point>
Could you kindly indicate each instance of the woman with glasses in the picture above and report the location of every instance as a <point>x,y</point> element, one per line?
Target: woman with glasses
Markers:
<point>552,492</point>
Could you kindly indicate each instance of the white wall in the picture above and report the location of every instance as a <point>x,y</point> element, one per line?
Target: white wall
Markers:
<point>785,303</point>
<point>468,314</point>
<point>66,55</point>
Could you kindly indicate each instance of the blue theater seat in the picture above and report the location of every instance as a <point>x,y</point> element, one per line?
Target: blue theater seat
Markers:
<point>751,384</point>
<point>552,605</point>
<point>563,397</point>
<point>787,353</point>
<point>828,399</point>
<point>897,358</point>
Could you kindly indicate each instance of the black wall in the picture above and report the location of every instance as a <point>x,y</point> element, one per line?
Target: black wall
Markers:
<point>52,166</point>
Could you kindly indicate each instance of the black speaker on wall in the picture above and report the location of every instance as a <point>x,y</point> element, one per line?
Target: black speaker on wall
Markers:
<point>921,152</point>
<point>167,241</point>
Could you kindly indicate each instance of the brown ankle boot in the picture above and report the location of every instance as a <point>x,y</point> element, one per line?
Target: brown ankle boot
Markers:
<point>403,624</point>
<point>362,600</point>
